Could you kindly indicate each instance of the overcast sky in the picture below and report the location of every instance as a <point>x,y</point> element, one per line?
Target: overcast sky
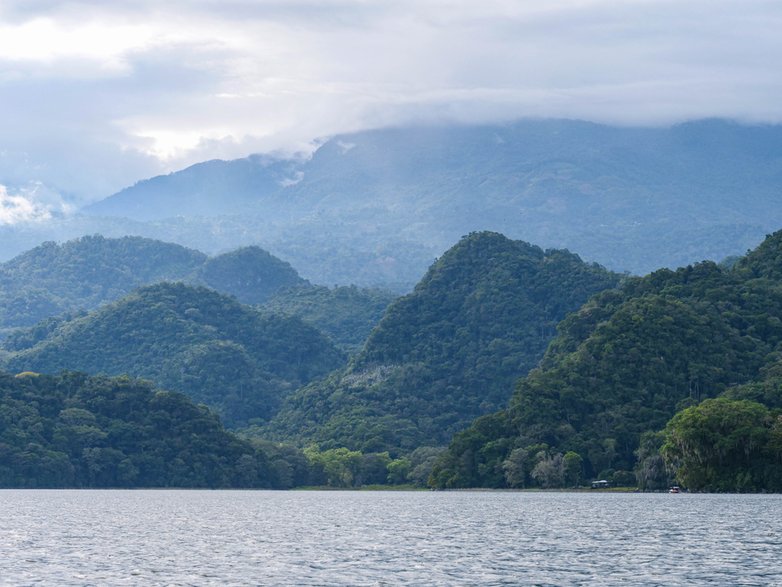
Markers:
<point>95,95</point>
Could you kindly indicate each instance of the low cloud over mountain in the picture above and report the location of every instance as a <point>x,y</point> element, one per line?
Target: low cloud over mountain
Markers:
<point>104,94</point>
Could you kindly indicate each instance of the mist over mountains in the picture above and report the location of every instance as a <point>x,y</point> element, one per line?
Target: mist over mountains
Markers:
<point>377,207</point>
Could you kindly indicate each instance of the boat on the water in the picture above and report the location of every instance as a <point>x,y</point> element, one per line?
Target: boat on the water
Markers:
<point>674,489</point>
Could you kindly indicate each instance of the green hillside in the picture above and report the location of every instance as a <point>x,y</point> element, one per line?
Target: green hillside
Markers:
<point>346,314</point>
<point>82,274</point>
<point>250,274</point>
<point>623,365</point>
<point>724,445</point>
<point>448,352</point>
<point>78,431</point>
<point>187,339</point>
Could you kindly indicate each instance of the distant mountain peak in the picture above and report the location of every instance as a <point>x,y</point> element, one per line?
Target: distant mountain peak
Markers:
<point>631,198</point>
<point>250,273</point>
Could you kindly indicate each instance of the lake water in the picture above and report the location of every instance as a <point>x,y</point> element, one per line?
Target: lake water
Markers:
<point>387,538</point>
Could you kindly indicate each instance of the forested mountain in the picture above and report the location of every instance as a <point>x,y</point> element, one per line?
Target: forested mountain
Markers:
<point>187,339</point>
<point>375,207</point>
<point>250,274</point>
<point>346,314</point>
<point>78,431</point>
<point>82,274</point>
<point>451,350</point>
<point>624,364</point>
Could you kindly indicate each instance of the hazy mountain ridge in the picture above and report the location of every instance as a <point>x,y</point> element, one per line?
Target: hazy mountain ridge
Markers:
<point>630,198</point>
<point>198,189</point>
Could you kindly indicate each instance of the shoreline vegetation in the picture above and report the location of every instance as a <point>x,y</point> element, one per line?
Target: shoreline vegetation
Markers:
<point>398,488</point>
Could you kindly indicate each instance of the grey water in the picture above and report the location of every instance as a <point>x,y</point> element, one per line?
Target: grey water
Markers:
<point>387,538</point>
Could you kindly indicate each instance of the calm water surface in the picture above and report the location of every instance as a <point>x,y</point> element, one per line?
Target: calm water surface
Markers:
<point>387,538</point>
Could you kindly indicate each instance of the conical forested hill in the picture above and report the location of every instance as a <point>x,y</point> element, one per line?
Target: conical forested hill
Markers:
<point>448,352</point>
<point>250,274</point>
<point>624,364</point>
<point>188,339</point>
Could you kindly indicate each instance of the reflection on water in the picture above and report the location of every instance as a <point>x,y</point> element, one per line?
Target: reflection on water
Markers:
<point>388,538</point>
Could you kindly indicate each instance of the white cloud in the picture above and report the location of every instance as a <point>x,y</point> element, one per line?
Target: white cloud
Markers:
<point>33,203</point>
<point>103,93</point>
<point>46,42</point>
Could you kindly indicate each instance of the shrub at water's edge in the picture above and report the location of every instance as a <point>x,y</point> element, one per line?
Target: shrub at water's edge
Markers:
<point>725,445</point>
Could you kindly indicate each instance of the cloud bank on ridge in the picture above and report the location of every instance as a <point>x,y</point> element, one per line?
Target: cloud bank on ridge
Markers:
<point>98,95</point>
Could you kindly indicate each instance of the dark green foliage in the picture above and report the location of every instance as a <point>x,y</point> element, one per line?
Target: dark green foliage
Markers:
<point>250,274</point>
<point>725,445</point>
<point>289,466</point>
<point>74,430</point>
<point>422,462</point>
<point>765,260</point>
<point>346,314</point>
<point>78,431</point>
<point>449,351</point>
<point>631,358</point>
<point>572,469</point>
<point>347,468</point>
<point>651,473</point>
<point>766,391</point>
<point>85,273</point>
<point>415,468</point>
<point>475,456</point>
<point>25,338</point>
<point>82,274</point>
<point>192,340</point>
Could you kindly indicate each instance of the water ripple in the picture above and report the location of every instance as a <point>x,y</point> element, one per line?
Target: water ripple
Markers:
<point>387,538</point>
